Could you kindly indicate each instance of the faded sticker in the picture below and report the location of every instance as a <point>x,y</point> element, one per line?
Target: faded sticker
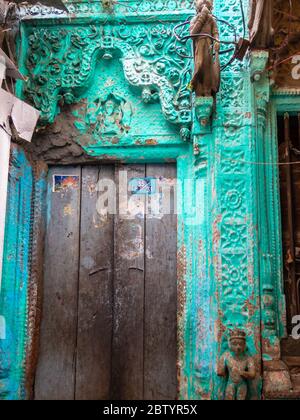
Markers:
<point>142,185</point>
<point>62,183</point>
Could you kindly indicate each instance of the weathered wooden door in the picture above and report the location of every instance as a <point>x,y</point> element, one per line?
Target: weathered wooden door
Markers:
<point>108,326</point>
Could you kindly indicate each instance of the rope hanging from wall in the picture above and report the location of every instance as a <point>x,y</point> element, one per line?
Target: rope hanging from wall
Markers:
<point>239,45</point>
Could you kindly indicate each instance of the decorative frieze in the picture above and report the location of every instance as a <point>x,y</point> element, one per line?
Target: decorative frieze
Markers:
<point>95,7</point>
<point>61,64</point>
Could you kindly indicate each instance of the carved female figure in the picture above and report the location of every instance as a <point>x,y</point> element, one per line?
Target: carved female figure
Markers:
<point>110,115</point>
<point>206,80</point>
<point>237,366</point>
<point>261,24</point>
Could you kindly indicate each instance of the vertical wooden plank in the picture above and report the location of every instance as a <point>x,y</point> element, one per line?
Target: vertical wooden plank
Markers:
<point>160,334</point>
<point>93,368</point>
<point>56,367</point>
<point>127,357</point>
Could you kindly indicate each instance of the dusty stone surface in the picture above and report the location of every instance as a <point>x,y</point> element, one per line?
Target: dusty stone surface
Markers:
<point>56,144</point>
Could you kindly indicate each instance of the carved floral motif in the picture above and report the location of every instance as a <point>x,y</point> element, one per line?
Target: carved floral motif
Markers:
<point>62,61</point>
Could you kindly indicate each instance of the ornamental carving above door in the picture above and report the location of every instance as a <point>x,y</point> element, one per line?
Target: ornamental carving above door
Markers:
<point>107,116</point>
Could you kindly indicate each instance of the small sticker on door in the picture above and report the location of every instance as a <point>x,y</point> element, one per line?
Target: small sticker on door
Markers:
<point>62,183</point>
<point>142,185</point>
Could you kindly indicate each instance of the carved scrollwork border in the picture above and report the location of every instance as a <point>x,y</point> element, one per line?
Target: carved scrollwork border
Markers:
<point>60,62</point>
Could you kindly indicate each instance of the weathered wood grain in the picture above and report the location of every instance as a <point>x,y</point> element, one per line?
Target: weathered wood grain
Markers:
<point>160,336</point>
<point>55,376</point>
<point>128,336</point>
<point>110,293</point>
<point>94,338</point>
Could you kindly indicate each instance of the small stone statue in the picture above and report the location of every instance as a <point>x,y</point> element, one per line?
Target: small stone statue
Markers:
<point>237,366</point>
<point>261,24</point>
<point>206,80</point>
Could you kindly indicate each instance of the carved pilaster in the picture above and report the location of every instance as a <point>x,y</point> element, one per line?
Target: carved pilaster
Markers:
<point>276,377</point>
<point>260,79</point>
<point>234,214</point>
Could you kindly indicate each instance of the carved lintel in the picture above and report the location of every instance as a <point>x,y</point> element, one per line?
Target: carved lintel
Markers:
<point>204,109</point>
<point>151,62</point>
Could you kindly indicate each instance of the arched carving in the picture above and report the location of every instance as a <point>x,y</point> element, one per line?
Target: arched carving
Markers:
<point>61,63</point>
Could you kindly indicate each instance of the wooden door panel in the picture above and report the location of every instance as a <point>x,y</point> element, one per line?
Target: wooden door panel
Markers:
<point>160,335</point>
<point>110,293</point>
<point>128,332</point>
<point>56,368</point>
<point>93,367</point>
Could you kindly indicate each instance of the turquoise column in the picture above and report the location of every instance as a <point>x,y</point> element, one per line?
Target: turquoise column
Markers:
<point>233,257</point>
<point>13,297</point>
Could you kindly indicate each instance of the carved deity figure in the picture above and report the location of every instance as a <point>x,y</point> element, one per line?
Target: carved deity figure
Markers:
<point>237,366</point>
<point>204,30</point>
<point>110,116</point>
<point>261,24</point>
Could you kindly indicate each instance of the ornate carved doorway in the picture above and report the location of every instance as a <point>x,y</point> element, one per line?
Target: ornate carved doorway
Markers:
<point>109,314</point>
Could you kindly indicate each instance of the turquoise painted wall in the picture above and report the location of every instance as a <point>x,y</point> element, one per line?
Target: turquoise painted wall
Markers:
<point>16,270</point>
